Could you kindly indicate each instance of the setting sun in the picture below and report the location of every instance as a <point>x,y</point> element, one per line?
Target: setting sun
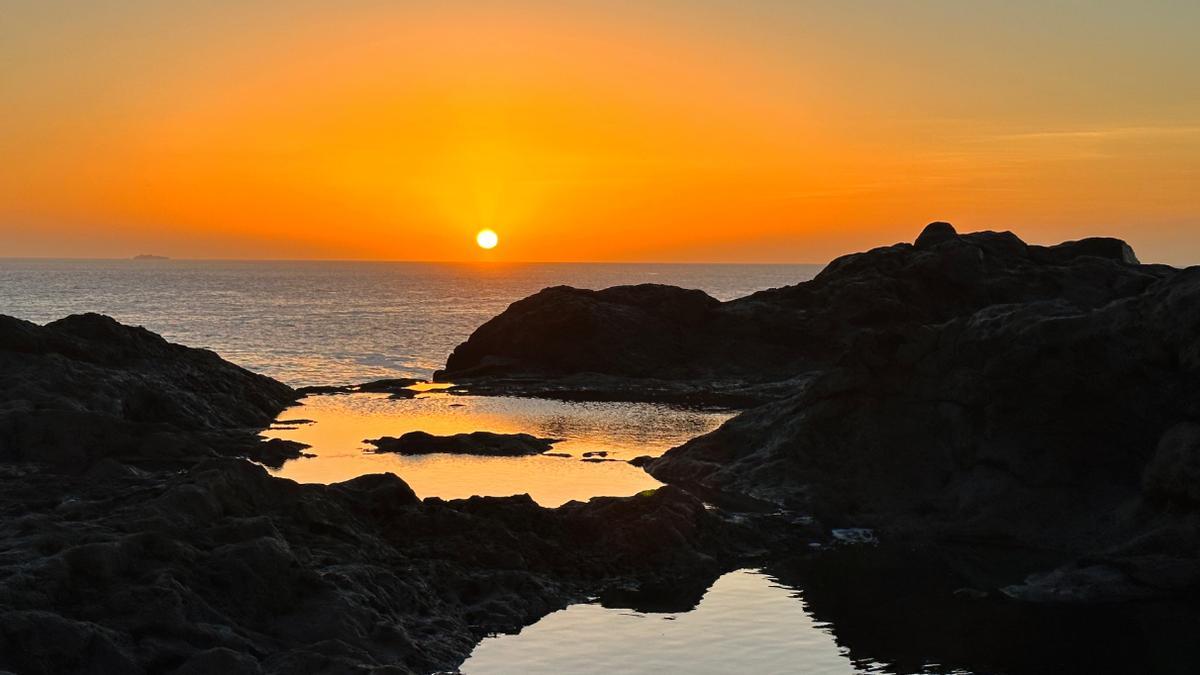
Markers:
<point>487,239</point>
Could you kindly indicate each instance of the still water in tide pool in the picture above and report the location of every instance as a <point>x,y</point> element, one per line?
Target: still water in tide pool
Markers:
<point>746,622</point>
<point>622,430</point>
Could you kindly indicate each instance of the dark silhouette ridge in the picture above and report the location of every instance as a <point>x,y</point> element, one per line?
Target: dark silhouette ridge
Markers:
<point>653,341</point>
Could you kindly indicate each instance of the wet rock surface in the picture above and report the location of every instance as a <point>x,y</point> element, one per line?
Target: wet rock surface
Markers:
<point>484,443</point>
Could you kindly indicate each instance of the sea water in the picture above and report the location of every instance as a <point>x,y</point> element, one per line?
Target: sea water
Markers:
<point>310,322</point>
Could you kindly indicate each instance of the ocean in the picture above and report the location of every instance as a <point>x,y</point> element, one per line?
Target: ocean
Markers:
<point>318,322</point>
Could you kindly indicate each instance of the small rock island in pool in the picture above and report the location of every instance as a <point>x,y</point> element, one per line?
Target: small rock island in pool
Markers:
<point>475,443</point>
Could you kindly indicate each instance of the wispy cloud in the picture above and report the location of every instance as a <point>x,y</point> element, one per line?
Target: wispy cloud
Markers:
<point>1100,134</point>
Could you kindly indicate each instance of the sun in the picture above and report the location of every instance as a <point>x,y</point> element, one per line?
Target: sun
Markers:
<point>487,239</point>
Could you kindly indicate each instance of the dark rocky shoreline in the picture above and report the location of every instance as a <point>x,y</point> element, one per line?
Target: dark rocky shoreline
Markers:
<point>967,388</point>
<point>133,541</point>
<point>1031,410</point>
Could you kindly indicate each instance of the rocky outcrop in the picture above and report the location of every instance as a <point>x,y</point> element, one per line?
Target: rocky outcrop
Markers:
<point>226,569</point>
<point>129,544</point>
<point>86,387</point>
<point>653,332</point>
<point>966,387</point>
<point>484,443</point>
<point>1065,424</point>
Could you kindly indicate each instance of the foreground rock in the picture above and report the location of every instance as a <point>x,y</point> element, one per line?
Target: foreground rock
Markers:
<point>1068,425</point>
<point>128,544</point>
<point>483,443</point>
<point>86,387</point>
<point>224,564</point>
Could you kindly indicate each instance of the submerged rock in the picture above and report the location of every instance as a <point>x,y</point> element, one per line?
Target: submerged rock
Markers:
<point>397,387</point>
<point>475,443</point>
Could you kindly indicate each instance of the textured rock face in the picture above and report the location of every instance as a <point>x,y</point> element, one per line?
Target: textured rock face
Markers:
<point>1057,424</point>
<point>625,330</point>
<point>774,335</point>
<point>153,554</point>
<point>966,387</point>
<point>87,386</point>
<point>226,567</point>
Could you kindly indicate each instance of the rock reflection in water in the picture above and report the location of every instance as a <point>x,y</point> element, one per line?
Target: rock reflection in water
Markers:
<point>912,610</point>
<point>745,623</point>
<point>623,430</point>
<point>857,610</point>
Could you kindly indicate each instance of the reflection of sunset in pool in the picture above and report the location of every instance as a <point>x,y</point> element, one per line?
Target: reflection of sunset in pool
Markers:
<point>624,430</point>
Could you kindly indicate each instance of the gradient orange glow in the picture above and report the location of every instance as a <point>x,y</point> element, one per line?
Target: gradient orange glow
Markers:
<point>591,131</point>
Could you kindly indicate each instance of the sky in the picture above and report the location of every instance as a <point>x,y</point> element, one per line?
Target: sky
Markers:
<point>671,130</point>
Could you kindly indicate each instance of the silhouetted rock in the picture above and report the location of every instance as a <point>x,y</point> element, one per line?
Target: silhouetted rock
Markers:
<point>397,387</point>
<point>275,451</point>
<point>86,387</point>
<point>1068,426</point>
<point>934,234</point>
<point>624,342</point>
<point>390,386</point>
<point>474,443</point>
<point>624,330</point>
<point>968,387</point>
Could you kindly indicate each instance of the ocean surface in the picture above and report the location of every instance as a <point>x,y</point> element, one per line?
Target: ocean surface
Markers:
<point>319,322</point>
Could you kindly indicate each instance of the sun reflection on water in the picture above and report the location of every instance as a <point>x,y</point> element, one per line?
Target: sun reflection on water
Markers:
<point>622,430</point>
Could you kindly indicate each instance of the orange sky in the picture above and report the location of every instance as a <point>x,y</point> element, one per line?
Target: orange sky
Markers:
<point>706,131</point>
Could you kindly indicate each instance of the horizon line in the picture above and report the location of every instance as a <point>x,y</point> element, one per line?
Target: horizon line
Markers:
<point>420,262</point>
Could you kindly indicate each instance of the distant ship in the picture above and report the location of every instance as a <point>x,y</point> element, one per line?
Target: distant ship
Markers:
<point>147,256</point>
